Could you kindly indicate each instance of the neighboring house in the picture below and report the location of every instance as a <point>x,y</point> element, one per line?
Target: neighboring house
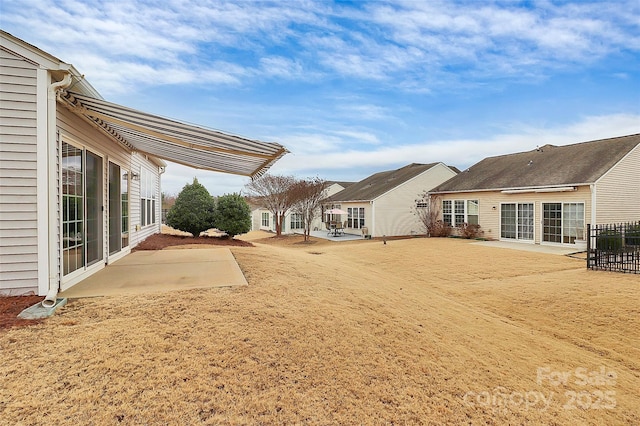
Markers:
<point>80,177</point>
<point>262,219</point>
<point>384,203</point>
<point>548,195</point>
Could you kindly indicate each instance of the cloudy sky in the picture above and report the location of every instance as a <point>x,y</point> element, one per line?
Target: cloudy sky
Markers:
<point>353,88</point>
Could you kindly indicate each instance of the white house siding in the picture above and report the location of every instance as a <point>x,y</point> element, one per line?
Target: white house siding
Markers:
<point>618,191</point>
<point>394,210</point>
<point>490,201</point>
<point>18,175</point>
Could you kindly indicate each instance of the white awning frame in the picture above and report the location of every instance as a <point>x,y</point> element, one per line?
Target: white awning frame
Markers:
<point>175,141</point>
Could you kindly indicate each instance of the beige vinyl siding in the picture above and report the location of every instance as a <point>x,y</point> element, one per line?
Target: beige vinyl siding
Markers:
<point>139,161</point>
<point>18,175</point>
<point>489,217</point>
<point>618,191</point>
<point>394,214</point>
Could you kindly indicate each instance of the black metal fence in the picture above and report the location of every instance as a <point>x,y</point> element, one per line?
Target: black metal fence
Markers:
<point>614,247</point>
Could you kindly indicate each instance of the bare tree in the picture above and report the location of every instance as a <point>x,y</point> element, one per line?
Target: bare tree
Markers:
<point>428,210</point>
<point>308,195</point>
<point>274,194</point>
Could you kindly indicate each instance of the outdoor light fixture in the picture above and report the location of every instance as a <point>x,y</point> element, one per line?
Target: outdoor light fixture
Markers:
<point>135,176</point>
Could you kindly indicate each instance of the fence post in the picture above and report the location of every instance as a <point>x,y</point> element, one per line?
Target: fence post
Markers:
<point>588,245</point>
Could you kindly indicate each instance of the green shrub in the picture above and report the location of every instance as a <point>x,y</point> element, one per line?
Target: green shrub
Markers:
<point>193,210</point>
<point>632,236</point>
<point>233,215</point>
<point>609,241</point>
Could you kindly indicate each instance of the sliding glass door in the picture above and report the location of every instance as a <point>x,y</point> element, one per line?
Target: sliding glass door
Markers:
<point>81,208</point>
<point>118,208</point>
<point>562,222</point>
<point>517,221</point>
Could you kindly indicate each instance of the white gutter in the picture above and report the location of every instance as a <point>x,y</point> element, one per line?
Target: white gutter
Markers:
<point>52,145</point>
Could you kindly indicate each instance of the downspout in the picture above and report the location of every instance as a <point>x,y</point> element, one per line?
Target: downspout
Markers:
<point>52,147</point>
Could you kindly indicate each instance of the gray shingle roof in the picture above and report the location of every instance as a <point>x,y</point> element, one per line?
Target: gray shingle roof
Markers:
<point>377,184</point>
<point>549,165</point>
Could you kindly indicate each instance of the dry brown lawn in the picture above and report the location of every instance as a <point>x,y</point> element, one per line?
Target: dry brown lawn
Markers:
<point>417,331</point>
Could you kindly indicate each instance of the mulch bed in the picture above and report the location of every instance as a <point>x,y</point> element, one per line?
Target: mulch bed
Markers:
<point>10,307</point>
<point>160,241</point>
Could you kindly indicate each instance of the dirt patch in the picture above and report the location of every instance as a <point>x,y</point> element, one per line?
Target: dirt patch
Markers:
<point>10,307</point>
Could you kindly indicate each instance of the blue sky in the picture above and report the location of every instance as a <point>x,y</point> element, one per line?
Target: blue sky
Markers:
<point>353,88</point>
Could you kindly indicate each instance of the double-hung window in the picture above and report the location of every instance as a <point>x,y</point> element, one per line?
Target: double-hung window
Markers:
<point>265,219</point>
<point>355,217</point>
<point>296,221</point>
<point>148,197</point>
<point>458,212</point>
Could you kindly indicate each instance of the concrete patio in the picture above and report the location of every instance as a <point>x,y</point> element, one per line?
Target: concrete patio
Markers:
<point>341,237</point>
<point>162,270</point>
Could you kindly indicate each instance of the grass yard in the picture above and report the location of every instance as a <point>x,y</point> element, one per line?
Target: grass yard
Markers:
<point>417,331</point>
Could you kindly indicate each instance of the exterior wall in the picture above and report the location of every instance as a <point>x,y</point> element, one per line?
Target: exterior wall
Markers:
<point>76,131</point>
<point>137,232</point>
<point>18,175</point>
<point>618,191</point>
<point>490,201</point>
<point>393,211</point>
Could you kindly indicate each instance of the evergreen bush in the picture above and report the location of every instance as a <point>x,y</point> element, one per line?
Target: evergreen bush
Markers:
<point>193,210</point>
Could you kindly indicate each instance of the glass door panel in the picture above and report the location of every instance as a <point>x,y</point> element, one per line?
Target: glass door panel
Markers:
<point>72,209</point>
<point>525,221</point>
<point>94,207</point>
<point>115,206</point>
<point>124,201</point>
<point>552,222</point>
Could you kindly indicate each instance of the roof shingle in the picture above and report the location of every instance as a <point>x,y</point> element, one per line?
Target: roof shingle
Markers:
<point>377,184</point>
<point>549,165</point>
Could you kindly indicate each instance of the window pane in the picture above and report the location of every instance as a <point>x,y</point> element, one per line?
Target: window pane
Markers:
<point>508,221</point>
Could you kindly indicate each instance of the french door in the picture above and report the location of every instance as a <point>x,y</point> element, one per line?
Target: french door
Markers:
<point>81,209</point>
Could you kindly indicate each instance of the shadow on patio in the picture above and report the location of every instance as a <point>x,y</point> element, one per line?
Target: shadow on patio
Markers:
<point>162,270</point>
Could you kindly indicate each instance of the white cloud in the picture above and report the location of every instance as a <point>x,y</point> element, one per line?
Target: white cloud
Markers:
<point>461,152</point>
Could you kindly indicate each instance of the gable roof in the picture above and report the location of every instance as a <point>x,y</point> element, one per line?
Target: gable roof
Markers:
<point>377,184</point>
<point>547,166</point>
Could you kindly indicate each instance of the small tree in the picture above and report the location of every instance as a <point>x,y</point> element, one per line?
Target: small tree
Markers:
<point>308,196</point>
<point>193,210</point>
<point>427,209</point>
<point>273,193</point>
<point>232,215</point>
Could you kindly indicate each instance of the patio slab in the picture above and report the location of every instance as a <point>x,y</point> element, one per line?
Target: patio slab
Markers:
<point>162,270</point>
<point>537,248</point>
<point>343,237</point>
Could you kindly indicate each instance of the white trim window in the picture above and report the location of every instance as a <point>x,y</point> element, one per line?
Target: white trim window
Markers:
<point>148,197</point>
<point>296,221</point>
<point>355,217</point>
<point>265,219</point>
<point>457,212</point>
